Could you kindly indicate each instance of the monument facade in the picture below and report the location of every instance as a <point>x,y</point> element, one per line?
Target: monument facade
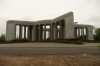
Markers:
<point>62,27</point>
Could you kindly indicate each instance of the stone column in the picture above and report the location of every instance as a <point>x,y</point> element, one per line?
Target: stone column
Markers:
<point>75,32</point>
<point>49,34</point>
<point>28,32</point>
<point>83,31</point>
<point>86,34</point>
<point>40,32</point>
<point>51,31</point>
<point>56,34</point>
<point>20,32</point>
<point>79,32</point>
<point>61,30</point>
<point>15,32</point>
<point>10,31</point>
<point>34,33</point>
<point>90,33</point>
<point>82,34</point>
<point>24,32</point>
<point>44,32</point>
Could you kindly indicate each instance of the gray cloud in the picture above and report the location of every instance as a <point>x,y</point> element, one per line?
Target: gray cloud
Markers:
<point>94,12</point>
<point>94,19</point>
<point>27,18</point>
<point>2,2</point>
<point>2,25</point>
<point>93,1</point>
<point>96,2</point>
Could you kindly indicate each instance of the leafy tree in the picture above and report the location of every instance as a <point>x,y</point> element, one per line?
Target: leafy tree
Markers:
<point>97,34</point>
<point>2,38</point>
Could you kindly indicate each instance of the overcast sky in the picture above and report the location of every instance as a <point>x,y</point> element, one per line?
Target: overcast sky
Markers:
<point>85,11</point>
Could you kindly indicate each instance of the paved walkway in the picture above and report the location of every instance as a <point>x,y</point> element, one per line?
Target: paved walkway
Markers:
<point>48,48</point>
<point>37,44</point>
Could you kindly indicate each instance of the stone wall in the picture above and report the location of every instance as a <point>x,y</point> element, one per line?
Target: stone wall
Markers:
<point>10,31</point>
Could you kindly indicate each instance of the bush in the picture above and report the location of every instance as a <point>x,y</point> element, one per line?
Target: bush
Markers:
<point>2,38</point>
<point>66,41</point>
<point>77,42</point>
<point>92,41</point>
<point>18,41</point>
<point>98,47</point>
<point>97,34</point>
<point>69,41</point>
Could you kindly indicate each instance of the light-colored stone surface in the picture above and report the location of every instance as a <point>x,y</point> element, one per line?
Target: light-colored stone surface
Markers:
<point>37,44</point>
<point>90,33</point>
<point>69,27</point>
<point>68,30</point>
<point>10,31</point>
<point>89,30</point>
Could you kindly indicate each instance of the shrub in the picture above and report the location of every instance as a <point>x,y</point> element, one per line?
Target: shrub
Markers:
<point>97,34</point>
<point>2,38</point>
<point>77,42</point>
<point>69,41</point>
<point>98,47</point>
<point>19,41</point>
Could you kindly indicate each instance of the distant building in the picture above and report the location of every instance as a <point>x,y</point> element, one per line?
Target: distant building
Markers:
<point>62,27</point>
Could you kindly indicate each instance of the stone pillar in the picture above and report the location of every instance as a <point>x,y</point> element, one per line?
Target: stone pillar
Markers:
<point>75,32</point>
<point>79,32</point>
<point>51,31</point>
<point>20,32</point>
<point>10,31</point>
<point>40,32</point>
<point>56,32</point>
<point>15,32</point>
<point>28,32</point>
<point>86,34</point>
<point>24,32</point>
<point>44,32</point>
<point>34,33</point>
<point>83,31</point>
<point>82,34</point>
<point>90,32</point>
<point>49,34</point>
<point>61,30</point>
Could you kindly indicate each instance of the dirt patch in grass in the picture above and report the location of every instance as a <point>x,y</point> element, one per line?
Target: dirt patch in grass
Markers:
<point>50,60</point>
